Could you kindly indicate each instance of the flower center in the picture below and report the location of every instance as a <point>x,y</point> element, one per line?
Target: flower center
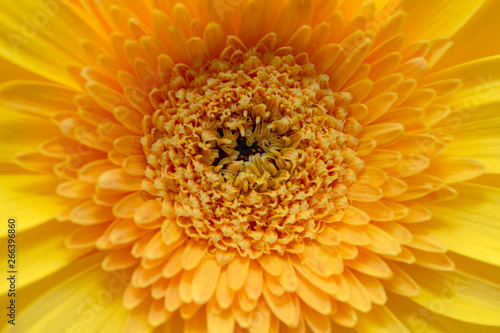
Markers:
<point>252,151</point>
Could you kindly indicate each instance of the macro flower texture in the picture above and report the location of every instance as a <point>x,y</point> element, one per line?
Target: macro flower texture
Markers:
<point>250,166</point>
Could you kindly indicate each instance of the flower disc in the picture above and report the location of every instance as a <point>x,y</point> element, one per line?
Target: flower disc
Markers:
<point>260,166</point>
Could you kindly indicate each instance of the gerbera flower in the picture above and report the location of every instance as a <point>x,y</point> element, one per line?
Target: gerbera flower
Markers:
<point>261,166</point>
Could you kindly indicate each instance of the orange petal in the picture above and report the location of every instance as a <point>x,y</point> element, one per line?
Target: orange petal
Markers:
<point>382,242</point>
<point>358,296</point>
<point>157,313</point>
<point>401,283</point>
<point>358,191</point>
<point>271,264</point>
<point>370,264</point>
<point>237,273</point>
<point>88,213</point>
<point>193,253</point>
<point>254,282</point>
<point>223,294</point>
<point>355,216</point>
<point>318,322</point>
<point>284,306</point>
<point>219,321</point>
<point>118,179</point>
<point>455,170</point>
<point>426,241</point>
<point>314,297</point>
<point>205,280</point>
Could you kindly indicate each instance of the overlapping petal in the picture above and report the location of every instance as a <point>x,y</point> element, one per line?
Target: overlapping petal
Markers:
<point>347,203</point>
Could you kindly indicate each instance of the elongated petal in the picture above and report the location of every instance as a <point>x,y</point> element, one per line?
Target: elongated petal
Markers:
<point>33,207</point>
<point>70,299</point>
<point>462,296</point>
<point>380,318</point>
<point>22,46</point>
<point>49,236</point>
<point>465,230</point>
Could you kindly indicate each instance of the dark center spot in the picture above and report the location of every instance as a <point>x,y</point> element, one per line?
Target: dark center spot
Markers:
<point>247,151</point>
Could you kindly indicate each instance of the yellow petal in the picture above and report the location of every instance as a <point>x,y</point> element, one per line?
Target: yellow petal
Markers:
<point>416,213</point>
<point>88,301</point>
<point>22,132</point>
<point>417,318</point>
<point>458,295</point>
<point>393,187</point>
<point>449,17</point>
<point>380,319</point>
<point>479,269</point>
<point>16,72</point>
<point>343,289</point>
<point>30,199</point>
<point>478,138</point>
<point>469,224</point>
<point>28,27</point>
<point>469,45</point>
<point>43,252</point>
<point>119,259</point>
<point>36,98</point>
<point>492,180</point>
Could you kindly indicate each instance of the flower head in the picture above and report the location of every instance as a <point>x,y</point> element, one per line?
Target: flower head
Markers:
<point>266,166</point>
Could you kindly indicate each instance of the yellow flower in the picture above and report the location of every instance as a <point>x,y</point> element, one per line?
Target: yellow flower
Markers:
<point>248,165</point>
